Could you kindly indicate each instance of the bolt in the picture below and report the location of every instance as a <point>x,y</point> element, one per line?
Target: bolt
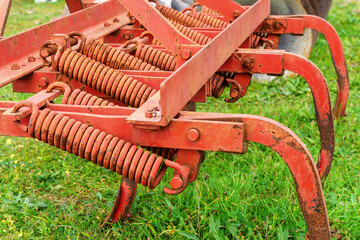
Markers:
<point>116,20</point>
<point>31,59</point>
<point>128,35</point>
<point>248,62</point>
<point>106,24</point>
<point>15,66</point>
<point>185,54</point>
<point>277,26</point>
<point>149,114</point>
<point>193,135</point>
<point>236,14</point>
<point>43,82</point>
<point>176,182</point>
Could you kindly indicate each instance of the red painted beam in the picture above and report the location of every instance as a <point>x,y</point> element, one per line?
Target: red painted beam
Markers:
<point>185,82</point>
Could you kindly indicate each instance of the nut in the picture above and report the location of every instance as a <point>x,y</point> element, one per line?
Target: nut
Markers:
<point>149,114</point>
<point>43,82</point>
<point>185,54</point>
<point>277,26</point>
<point>31,59</point>
<point>15,66</point>
<point>236,14</point>
<point>193,134</point>
<point>116,20</point>
<point>176,182</point>
<point>248,62</point>
<point>128,35</point>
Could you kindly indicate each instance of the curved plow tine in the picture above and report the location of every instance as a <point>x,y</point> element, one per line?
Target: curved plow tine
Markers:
<point>301,165</point>
<point>123,202</point>
<point>322,102</point>
<point>337,53</point>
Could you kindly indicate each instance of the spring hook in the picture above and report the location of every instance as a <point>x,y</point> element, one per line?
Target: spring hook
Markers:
<point>34,114</point>
<point>203,9</point>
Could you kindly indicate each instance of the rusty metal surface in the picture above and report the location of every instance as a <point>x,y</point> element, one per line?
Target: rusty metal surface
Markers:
<point>30,41</point>
<point>113,70</point>
<point>170,103</point>
<point>74,5</point>
<point>5,6</point>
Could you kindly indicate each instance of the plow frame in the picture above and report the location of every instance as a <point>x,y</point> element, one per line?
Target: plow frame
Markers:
<point>170,127</point>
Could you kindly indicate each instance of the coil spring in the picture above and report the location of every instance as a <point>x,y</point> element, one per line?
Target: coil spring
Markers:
<point>167,62</point>
<point>114,58</point>
<point>96,146</point>
<point>98,76</point>
<point>179,17</point>
<point>197,37</point>
<point>211,21</point>
<point>160,59</point>
<point>78,97</point>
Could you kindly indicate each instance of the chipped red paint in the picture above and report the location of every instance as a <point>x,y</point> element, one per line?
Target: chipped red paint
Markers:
<point>156,64</point>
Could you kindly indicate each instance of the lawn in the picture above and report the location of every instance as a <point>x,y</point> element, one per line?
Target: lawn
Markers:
<point>46,193</point>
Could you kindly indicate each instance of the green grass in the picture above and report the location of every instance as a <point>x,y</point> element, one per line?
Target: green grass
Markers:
<point>46,193</point>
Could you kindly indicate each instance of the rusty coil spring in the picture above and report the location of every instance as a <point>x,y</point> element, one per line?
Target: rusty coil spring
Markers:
<point>162,60</point>
<point>167,61</point>
<point>97,146</point>
<point>260,40</point>
<point>217,83</point>
<point>203,8</point>
<point>82,98</point>
<point>211,21</point>
<point>179,17</point>
<point>114,58</point>
<point>205,18</point>
<point>194,35</point>
<point>107,80</point>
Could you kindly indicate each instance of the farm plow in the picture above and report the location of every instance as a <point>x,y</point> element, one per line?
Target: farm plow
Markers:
<point>130,78</point>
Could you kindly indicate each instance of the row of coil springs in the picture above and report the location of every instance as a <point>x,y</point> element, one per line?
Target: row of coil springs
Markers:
<point>97,146</point>
<point>85,70</point>
<point>201,20</point>
<point>179,17</point>
<point>82,98</point>
<point>114,58</point>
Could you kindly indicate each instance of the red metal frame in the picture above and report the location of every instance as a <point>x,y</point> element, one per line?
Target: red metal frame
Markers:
<point>5,6</point>
<point>160,121</point>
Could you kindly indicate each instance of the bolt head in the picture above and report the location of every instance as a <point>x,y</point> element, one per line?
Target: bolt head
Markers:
<point>128,35</point>
<point>248,62</point>
<point>185,54</point>
<point>116,20</point>
<point>106,24</point>
<point>31,59</point>
<point>236,14</point>
<point>43,82</point>
<point>277,26</point>
<point>15,66</point>
<point>176,182</point>
<point>148,114</point>
<point>193,135</point>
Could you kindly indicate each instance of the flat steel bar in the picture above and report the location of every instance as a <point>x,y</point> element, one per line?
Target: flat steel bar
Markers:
<point>28,43</point>
<point>183,84</point>
<point>5,6</point>
<point>156,23</point>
